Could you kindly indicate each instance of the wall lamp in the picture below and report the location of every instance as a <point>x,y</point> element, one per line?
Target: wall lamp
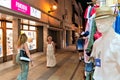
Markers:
<point>53,8</point>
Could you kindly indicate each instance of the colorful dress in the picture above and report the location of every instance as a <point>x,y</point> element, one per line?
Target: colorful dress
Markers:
<point>90,14</point>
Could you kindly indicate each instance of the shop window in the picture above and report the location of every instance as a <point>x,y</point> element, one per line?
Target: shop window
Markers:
<point>0,23</point>
<point>31,39</point>
<point>9,42</point>
<point>32,28</point>
<point>1,54</point>
<point>21,27</point>
<point>32,22</point>
<point>9,25</point>
<point>25,27</point>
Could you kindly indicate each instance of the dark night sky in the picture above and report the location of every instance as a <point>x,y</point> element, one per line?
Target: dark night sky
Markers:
<point>84,5</point>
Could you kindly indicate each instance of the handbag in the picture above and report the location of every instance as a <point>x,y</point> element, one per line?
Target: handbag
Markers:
<point>23,56</point>
<point>89,66</point>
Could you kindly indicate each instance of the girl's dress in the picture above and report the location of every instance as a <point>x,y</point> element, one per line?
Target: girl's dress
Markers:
<point>51,60</point>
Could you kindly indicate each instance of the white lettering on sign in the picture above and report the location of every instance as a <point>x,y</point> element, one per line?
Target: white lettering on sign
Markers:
<point>21,6</point>
<point>35,13</point>
<point>5,3</point>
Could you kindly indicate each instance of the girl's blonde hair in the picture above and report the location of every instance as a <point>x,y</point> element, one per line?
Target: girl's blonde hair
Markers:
<point>22,39</point>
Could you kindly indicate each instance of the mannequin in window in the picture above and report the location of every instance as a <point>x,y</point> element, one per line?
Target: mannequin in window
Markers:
<point>106,49</point>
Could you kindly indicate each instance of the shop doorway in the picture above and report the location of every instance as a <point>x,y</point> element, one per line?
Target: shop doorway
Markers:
<point>40,38</point>
<point>56,37</point>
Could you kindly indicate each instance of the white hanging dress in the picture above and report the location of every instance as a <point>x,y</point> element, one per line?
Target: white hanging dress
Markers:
<point>51,60</point>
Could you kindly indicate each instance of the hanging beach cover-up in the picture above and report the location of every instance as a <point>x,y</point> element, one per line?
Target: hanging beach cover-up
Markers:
<point>91,27</point>
<point>117,24</point>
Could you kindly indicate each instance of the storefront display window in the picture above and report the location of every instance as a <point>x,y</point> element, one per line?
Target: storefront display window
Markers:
<point>25,27</point>
<point>9,38</point>
<point>9,25</point>
<point>9,42</point>
<point>32,28</point>
<point>1,43</point>
<point>0,23</point>
<point>21,27</point>
<point>31,39</point>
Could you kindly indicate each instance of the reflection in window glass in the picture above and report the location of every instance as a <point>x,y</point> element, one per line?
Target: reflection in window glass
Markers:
<point>9,25</point>
<point>32,28</point>
<point>31,39</point>
<point>25,27</point>
<point>1,54</point>
<point>9,42</point>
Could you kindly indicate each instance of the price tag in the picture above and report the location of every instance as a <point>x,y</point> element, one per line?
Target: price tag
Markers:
<point>98,62</point>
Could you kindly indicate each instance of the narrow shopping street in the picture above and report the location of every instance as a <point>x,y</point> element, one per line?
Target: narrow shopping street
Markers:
<point>54,33</point>
<point>68,67</point>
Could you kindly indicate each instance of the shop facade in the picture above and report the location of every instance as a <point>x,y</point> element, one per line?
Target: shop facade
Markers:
<point>15,20</point>
<point>9,35</point>
<point>34,22</point>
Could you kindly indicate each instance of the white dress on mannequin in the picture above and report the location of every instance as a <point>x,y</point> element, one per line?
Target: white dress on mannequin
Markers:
<point>108,49</point>
<point>51,60</point>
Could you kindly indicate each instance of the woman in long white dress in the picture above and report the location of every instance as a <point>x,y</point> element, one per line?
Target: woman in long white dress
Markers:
<point>51,60</point>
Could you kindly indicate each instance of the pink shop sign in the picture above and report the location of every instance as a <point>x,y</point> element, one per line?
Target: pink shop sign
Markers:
<point>20,7</point>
